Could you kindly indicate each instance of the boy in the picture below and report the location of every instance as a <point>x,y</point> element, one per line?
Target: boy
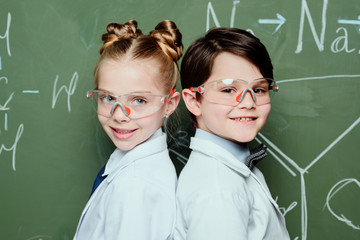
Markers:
<point>227,79</point>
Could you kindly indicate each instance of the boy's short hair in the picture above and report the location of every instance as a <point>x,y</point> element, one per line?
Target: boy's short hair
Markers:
<point>197,63</point>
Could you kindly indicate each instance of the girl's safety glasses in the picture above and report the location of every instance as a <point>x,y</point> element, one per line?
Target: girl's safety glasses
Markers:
<point>133,105</point>
<point>232,91</point>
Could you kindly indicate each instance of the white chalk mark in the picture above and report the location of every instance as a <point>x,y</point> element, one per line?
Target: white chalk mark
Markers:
<point>40,237</point>
<point>304,221</point>
<point>6,122</point>
<point>210,10</point>
<point>233,13</point>
<point>318,78</point>
<point>279,21</point>
<point>69,90</point>
<point>351,22</point>
<point>30,91</point>
<point>179,157</point>
<point>6,34</point>
<point>14,146</point>
<point>274,155</point>
<point>0,64</point>
<point>305,11</point>
<point>335,189</point>
<point>4,107</point>
<point>288,159</point>
<point>333,143</point>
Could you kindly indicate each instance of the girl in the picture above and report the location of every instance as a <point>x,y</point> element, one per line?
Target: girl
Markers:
<point>227,80</point>
<point>134,91</point>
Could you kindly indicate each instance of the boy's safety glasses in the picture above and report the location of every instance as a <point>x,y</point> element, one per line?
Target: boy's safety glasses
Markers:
<point>231,92</point>
<point>133,105</point>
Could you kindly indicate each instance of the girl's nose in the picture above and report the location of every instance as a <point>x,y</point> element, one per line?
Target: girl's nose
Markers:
<point>123,111</point>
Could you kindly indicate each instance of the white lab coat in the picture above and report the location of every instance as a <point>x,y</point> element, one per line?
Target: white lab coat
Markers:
<point>137,199</point>
<point>218,197</point>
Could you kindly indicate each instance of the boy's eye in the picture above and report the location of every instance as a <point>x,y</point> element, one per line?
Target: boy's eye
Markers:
<point>259,90</point>
<point>228,90</point>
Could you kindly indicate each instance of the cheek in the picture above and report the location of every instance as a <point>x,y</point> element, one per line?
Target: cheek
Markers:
<point>102,120</point>
<point>265,111</point>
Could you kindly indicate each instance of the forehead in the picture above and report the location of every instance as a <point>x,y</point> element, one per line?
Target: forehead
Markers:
<point>227,65</point>
<point>127,75</point>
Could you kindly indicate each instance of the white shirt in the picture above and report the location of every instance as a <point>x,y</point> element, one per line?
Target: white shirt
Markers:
<point>137,199</point>
<point>218,197</point>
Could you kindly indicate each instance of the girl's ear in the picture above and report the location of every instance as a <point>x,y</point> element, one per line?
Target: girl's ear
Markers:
<point>191,102</point>
<point>172,103</point>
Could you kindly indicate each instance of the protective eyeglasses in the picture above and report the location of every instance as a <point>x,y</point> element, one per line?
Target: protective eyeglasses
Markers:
<point>231,92</point>
<point>133,105</point>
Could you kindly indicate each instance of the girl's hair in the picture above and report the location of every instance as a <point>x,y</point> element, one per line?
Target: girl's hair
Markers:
<point>197,63</point>
<point>163,45</point>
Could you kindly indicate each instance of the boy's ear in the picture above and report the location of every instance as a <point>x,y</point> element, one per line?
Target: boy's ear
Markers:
<point>191,102</point>
<point>172,103</point>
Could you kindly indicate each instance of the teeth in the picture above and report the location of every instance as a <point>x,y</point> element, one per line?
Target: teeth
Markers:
<point>243,119</point>
<point>123,131</point>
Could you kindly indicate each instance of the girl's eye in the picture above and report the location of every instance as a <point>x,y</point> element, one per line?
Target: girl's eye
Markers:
<point>139,101</point>
<point>108,98</point>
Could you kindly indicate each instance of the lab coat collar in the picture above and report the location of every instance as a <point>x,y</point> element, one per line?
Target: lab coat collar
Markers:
<point>121,159</point>
<point>221,154</point>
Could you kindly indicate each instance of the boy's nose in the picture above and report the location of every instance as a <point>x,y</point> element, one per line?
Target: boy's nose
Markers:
<point>242,95</point>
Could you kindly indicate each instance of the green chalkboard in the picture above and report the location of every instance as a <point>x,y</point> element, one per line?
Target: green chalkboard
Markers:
<point>51,146</point>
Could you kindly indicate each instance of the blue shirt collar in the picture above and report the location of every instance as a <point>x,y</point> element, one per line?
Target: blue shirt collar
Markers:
<point>241,152</point>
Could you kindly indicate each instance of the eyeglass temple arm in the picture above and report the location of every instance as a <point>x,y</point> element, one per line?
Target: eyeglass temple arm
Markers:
<point>197,89</point>
<point>165,98</point>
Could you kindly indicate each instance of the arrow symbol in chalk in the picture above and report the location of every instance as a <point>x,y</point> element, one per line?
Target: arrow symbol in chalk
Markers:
<point>279,21</point>
<point>352,22</point>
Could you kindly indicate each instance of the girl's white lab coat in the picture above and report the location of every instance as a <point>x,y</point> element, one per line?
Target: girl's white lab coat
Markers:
<point>137,199</point>
<point>218,197</point>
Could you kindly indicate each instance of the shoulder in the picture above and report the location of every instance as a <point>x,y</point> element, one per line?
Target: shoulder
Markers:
<point>205,177</point>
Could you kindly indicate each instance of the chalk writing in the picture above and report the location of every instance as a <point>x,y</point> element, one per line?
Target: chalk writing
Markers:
<point>340,44</point>
<point>6,35</point>
<point>334,190</point>
<point>69,90</point>
<point>14,146</point>
<point>336,46</point>
<point>305,11</point>
<point>279,21</point>
<point>4,106</point>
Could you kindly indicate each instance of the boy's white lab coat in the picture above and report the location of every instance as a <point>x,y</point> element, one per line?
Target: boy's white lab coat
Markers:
<point>136,200</point>
<point>218,197</point>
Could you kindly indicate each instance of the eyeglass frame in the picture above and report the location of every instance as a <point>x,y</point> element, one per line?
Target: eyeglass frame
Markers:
<point>126,110</point>
<point>275,88</point>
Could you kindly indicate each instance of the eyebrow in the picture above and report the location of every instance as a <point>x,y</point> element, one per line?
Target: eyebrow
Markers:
<point>135,92</point>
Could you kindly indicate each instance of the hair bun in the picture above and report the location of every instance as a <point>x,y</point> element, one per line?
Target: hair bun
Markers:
<point>169,38</point>
<point>117,32</point>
